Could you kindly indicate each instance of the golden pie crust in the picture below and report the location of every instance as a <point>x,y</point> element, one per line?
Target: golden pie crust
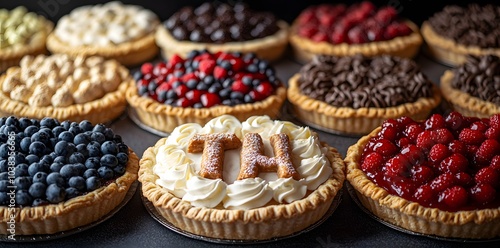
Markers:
<point>404,46</point>
<point>165,117</point>
<point>270,221</point>
<point>127,53</point>
<point>448,51</point>
<point>463,102</point>
<point>269,48</point>
<point>11,56</point>
<point>76,212</point>
<point>474,224</point>
<point>354,121</point>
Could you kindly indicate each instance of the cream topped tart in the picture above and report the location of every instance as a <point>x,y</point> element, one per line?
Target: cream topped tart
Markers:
<point>252,180</point>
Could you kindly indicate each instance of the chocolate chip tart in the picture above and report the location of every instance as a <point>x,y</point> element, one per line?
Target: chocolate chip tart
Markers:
<point>125,33</point>
<point>456,32</point>
<point>355,94</point>
<point>221,27</point>
<point>22,33</point>
<point>472,88</point>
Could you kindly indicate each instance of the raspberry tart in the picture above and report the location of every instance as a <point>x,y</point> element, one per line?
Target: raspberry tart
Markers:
<point>61,175</point>
<point>112,30</point>
<point>472,88</point>
<point>355,94</point>
<point>203,86</point>
<point>456,32</point>
<point>342,30</point>
<point>21,33</point>
<point>253,180</point>
<point>222,27</point>
<point>439,176</point>
<point>65,88</point>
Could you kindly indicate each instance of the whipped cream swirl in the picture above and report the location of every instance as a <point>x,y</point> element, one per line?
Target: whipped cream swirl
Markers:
<point>247,194</point>
<point>174,178</point>
<point>202,192</point>
<point>223,124</point>
<point>288,190</point>
<point>183,133</point>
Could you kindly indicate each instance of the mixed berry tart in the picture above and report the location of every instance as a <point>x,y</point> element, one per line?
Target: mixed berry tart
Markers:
<point>21,33</point>
<point>473,87</point>
<point>342,30</point>
<point>439,176</point>
<point>355,94</point>
<point>457,31</point>
<point>253,180</point>
<point>56,176</point>
<point>203,86</point>
<point>112,30</point>
<point>65,88</point>
<point>222,27</point>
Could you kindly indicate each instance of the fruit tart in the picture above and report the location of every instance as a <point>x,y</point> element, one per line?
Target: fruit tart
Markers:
<point>56,176</point>
<point>456,32</point>
<point>355,94</point>
<point>438,177</point>
<point>222,27</point>
<point>112,30</point>
<point>342,30</point>
<point>21,33</point>
<point>203,86</point>
<point>65,88</point>
<point>253,180</point>
<point>472,88</point>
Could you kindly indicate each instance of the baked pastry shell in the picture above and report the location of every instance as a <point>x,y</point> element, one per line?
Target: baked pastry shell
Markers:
<point>474,224</point>
<point>354,121</point>
<point>261,223</point>
<point>165,117</point>
<point>404,46</point>
<point>269,48</point>
<point>76,212</point>
<point>447,50</point>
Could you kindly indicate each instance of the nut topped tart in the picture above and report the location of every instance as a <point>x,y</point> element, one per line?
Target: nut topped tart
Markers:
<point>222,27</point>
<point>21,33</point>
<point>252,180</point>
<point>456,32</point>
<point>203,86</point>
<point>439,176</point>
<point>112,30</point>
<point>342,30</point>
<point>355,94</point>
<point>56,176</point>
<point>472,88</point>
<point>63,87</point>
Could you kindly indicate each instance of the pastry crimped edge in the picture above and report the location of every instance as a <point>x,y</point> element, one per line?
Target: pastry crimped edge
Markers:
<point>11,57</point>
<point>269,48</point>
<point>165,117</point>
<point>404,46</point>
<point>73,213</point>
<point>354,121</point>
<point>127,53</point>
<point>463,102</point>
<point>102,110</point>
<point>475,224</point>
<point>447,50</point>
<point>261,223</point>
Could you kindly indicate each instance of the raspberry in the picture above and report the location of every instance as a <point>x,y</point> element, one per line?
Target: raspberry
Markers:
<point>265,89</point>
<point>422,174</point>
<point>479,126</point>
<point>338,37</point>
<point>175,59</point>
<point>319,37</point>
<point>442,136</point>
<point>424,194</point>
<point>404,30</point>
<point>403,188</point>
<point>181,90</point>
<point>488,149</point>
<point>492,133</point>
<point>326,19</point>
<point>442,182</point>
<point>194,95</point>
<point>483,193</point>
<point>372,162</point>
<point>463,179</point>
<point>454,121</point>
<point>425,140</point>
<point>357,35</point>
<point>147,68</point>
<point>471,137</point>
<point>397,166</point>
<point>385,148</point>
<point>487,175</point>
<point>237,64</point>
<point>454,197</point>
<point>412,131</point>
<point>306,17</point>
<point>403,142</point>
<point>308,30</point>
<point>188,76</point>
<point>495,121</point>
<point>386,15</point>
<point>240,87</point>
<point>495,163</point>
<point>183,102</point>
<point>210,99</point>
<point>454,163</point>
<point>206,66</point>
<point>457,146</point>
<point>219,72</point>
<point>388,133</point>
<point>413,153</point>
<point>405,121</point>
<point>438,153</point>
<point>434,122</point>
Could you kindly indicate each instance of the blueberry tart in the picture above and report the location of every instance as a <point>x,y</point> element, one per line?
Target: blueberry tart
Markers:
<point>222,27</point>
<point>56,176</point>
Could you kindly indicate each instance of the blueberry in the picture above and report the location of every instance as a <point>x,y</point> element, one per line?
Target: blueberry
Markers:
<point>4,184</point>
<point>85,125</point>
<point>236,95</point>
<point>249,57</point>
<point>19,158</point>
<point>119,170</point>
<point>24,123</point>
<point>40,177</point>
<point>225,93</point>
<point>24,145</point>
<point>37,148</point>
<point>93,183</point>
<point>37,190</point>
<point>47,159</point>
<point>81,138</point>
<point>21,170</point>
<point>176,84</point>
<point>38,167</point>
<point>93,163</point>
<point>226,65</point>
<point>39,202</point>
<point>227,83</point>
<point>82,148</point>
<point>109,147</point>
<point>4,165</point>
<point>41,136</point>
<point>198,105</point>
<point>247,80</point>
<point>23,198</point>
<point>227,102</point>
<point>57,131</point>
<point>105,172</point>
<point>256,83</point>
<point>10,129</point>
<point>56,166</point>
<point>171,95</point>
<point>75,130</point>
<point>71,192</point>
<point>55,178</point>
<point>66,136</point>
<point>12,121</point>
<point>123,148</point>
<point>94,150</point>
<point>66,124</point>
<point>76,157</point>
<point>3,138</point>
<point>109,160</point>
<point>60,159</point>
<point>31,158</point>
<point>192,83</point>
<point>90,173</point>
<point>98,137</point>
<point>77,182</point>
<point>4,198</point>
<point>137,75</point>
<point>117,138</point>
<point>69,170</point>
<point>209,80</point>
<point>109,134</point>
<point>122,158</point>
<point>55,193</point>
<point>4,176</point>
<point>46,130</point>
<point>99,128</point>
<point>22,182</point>
<point>202,86</point>
<point>252,68</point>
<point>49,122</point>
<point>80,167</point>
<point>4,151</point>
<point>248,99</point>
<point>63,148</point>
<point>2,120</point>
